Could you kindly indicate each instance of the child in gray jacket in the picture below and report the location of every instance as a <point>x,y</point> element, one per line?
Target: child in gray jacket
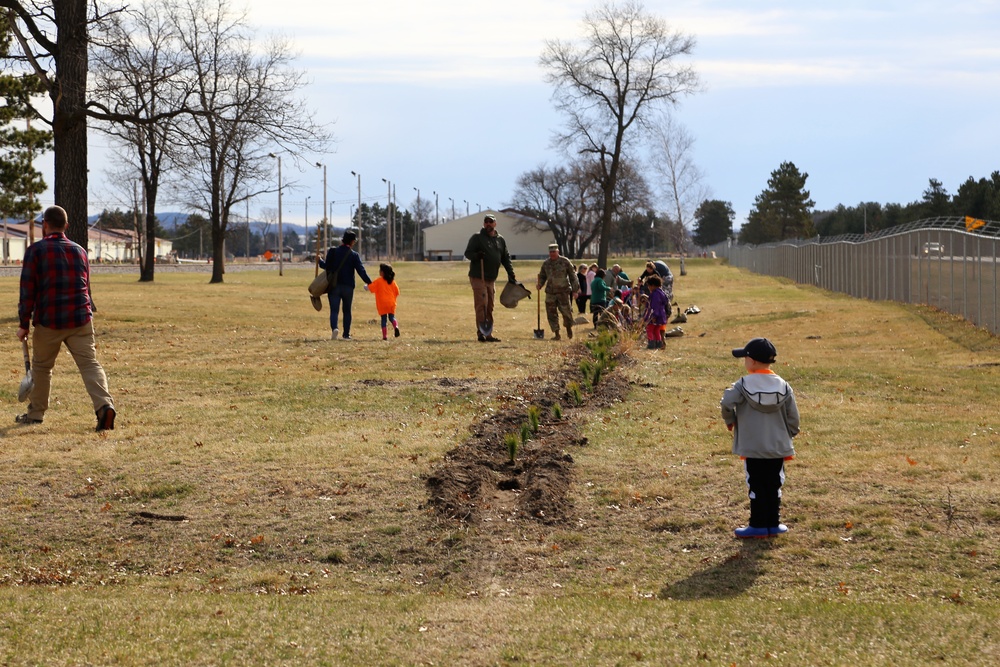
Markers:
<point>759,409</point>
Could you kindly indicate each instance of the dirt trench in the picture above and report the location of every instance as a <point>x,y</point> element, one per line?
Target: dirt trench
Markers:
<point>478,482</point>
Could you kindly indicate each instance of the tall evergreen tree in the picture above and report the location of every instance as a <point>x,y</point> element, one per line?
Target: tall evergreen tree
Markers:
<point>20,182</point>
<point>713,222</point>
<point>782,210</point>
<point>935,199</point>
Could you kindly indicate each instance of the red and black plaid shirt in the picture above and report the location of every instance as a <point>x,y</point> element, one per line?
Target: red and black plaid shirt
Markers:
<point>55,284</point>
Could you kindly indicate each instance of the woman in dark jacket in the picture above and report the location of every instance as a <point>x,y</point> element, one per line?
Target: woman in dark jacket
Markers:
<point>341,263</point>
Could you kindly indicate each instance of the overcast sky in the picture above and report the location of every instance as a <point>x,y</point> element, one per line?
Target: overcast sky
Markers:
<point>447,96</point>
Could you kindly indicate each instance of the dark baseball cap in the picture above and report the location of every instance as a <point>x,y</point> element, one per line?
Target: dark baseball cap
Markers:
<point>758,349</point>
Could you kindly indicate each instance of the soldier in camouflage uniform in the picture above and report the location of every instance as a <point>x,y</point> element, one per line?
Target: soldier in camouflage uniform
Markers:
<point>558,275</point>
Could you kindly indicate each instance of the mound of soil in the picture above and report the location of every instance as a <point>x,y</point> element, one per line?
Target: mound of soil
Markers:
<point>478,482</point>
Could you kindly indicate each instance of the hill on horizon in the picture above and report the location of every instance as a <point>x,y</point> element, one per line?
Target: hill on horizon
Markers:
<point>170,220</point>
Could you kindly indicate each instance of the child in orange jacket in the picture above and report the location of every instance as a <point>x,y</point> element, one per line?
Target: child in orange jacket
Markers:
<point>386,290</point>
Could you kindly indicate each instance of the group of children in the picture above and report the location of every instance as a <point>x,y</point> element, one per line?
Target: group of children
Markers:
<point>612,297</point>
<point>759,409</point>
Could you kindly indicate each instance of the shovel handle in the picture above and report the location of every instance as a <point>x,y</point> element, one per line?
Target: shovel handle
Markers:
<point>27,357</point>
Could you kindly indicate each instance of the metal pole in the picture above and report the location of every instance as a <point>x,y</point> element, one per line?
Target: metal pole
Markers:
<point>281,238</point>
<point>416,225</point>
<point>388,218</point>
<point>326,220</point>
<point>437,218</point>
<point>306,240</point>
<point>359,211</point>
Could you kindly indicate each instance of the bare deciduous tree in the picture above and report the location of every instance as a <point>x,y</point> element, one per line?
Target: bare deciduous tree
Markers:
<point>679,175</point>
<point>625,66</point>
<point>567,198</point>
<point>245,92</point>
<point>138,72</point>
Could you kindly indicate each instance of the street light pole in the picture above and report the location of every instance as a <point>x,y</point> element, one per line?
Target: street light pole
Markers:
<point>281,241</point>
<point>416,225</point>
<point>326,220</point>
<point>437,218</point>
<point>466,207</point>
<point>452,207</point>
<point>306,243</point>
<point>388,218</point>
<point>359,209</point>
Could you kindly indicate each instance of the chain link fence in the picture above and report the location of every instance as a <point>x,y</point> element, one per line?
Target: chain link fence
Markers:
<point>946,262</point>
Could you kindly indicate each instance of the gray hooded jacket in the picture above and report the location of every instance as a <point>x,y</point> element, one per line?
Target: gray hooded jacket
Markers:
<point>762,408</point>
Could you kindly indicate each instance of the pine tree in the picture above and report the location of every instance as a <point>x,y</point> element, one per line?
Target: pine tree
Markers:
<point>713,222</point>
<point>782,211</point>
<point>20,182</point>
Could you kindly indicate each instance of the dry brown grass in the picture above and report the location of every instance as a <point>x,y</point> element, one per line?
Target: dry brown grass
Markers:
<point>299,464</point>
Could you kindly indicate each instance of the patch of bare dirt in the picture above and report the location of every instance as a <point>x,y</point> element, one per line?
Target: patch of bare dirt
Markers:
<point>477,480</point>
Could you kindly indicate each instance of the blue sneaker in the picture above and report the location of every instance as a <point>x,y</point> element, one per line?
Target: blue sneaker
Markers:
<point>780,529</point>
<point>750,531</point>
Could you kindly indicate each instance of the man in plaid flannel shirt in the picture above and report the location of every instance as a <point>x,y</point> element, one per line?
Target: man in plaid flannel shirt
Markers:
<point>55,297</point>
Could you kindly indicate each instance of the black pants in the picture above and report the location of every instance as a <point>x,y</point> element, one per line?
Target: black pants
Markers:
<point>597,309</point>
<point>581,303</point>
<point>765,478</point>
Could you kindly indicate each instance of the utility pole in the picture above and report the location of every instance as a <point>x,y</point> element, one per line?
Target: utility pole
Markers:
<point>359,210</point>
<point>281,240</point>
<point>326,220</point>
<point>416,225</point>
<point>388,218</point>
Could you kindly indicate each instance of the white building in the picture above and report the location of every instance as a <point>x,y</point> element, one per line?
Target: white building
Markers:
<point>526,237</point>
<point>105,245</point>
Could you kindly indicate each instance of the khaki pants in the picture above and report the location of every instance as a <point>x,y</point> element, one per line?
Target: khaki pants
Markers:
<point>80,343</point>
<point>557,303</point>
<point>483,292</point>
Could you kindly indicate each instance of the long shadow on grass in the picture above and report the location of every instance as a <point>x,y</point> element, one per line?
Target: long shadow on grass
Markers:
<point>733,576</point>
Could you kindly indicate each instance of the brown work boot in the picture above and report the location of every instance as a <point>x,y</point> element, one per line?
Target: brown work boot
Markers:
<point>556,336</point>
<point>569,332</point>
<point>105,418</point>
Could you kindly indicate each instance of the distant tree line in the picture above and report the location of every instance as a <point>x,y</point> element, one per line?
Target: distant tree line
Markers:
<point>976,198</point>
<point>197,105</point>
<point>784,210</point>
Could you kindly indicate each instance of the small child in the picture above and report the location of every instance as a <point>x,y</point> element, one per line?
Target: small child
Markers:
<point>759,409</point>
<point>656,313</point>
<point>386,290</point>
<point>600,295</point>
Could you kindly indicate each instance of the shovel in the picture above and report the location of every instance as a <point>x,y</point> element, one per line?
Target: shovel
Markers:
<point>28,383</point>
<point>539,332</point>
<point>486,326</point>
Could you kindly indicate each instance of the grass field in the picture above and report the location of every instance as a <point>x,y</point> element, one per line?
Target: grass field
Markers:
<point>300,466</point>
